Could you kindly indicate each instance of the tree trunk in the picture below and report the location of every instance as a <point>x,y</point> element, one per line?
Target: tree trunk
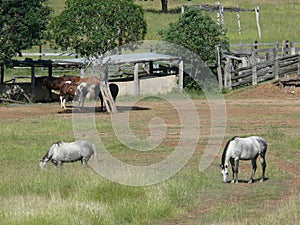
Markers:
<point>164,6</point>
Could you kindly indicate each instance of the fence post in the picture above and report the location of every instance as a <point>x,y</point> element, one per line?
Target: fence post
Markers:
<point>40,51</point>
<point>181,70</point>
<point>219,69</point>
<point>285,47</point>
<point>254,67</point>
<point>2,74</point>
<point>32,81</point>
<point>239,22</point>
<point>276,62</point>
<point>136,81</point>
<point>257,21</point>
<point>182,9</point>
<point>299,64</point>
<point>293,49</point>
<point>227,74</point>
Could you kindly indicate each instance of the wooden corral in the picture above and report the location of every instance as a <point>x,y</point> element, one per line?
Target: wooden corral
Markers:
<point>146,58</point>
<point>137,60</point>
<point>33,64</point>
<point>242,66</point>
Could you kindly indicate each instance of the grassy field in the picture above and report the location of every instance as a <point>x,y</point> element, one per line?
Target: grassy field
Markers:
<point>77,195</point>
<point>278,19</point>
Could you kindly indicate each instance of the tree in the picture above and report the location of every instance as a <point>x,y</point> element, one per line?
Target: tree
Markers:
<point>164,6</point>
<point>94,27</point>
<point>22,25</point>
<point>197,32</point>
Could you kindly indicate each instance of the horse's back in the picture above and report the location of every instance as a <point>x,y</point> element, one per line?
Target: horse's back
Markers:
<point>78,148</point>
<point>259,142</point>
<point>248,147</point>
<point>86,148</point>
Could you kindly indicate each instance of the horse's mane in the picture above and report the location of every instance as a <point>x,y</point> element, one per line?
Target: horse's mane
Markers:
<point>59,143</point>
<point>225,150</point>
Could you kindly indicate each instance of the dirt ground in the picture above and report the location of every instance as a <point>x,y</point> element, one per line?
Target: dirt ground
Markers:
<point>267,103</point>
<point>259,93</point>
<point>241,106</point>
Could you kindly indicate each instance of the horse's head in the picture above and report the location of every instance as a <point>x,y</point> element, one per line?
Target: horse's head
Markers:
<point>49,154</point>
<point>42,163</point>
<point>224,172</point>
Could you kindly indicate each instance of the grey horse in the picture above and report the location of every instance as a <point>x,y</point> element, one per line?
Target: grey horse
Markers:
<point>248,148</point>
<point>62,152</point>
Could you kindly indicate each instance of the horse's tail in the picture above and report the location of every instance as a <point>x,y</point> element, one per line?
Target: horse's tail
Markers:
<point>95,151</point>
<point>263,145</point>
<point>55,92</point>
<point>94,157</point>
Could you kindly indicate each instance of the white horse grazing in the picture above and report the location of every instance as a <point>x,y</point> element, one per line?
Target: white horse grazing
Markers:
<point>62,152</point>
<point>248,148</point>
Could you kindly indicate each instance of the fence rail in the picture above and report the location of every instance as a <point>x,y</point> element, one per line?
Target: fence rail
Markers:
<point>248,64</point>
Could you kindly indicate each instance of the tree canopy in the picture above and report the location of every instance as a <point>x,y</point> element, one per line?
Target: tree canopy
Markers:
<point>21,26</point>
<point>197,32</point>
<point>94,27</point>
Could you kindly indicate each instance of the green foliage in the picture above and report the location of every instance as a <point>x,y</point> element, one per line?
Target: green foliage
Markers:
<point>94,27</point>
<point>21,26</point>
<point>197,32</point>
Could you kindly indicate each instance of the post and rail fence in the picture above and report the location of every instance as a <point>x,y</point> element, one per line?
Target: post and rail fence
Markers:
<point>250,64</point>
<point>244,64</point>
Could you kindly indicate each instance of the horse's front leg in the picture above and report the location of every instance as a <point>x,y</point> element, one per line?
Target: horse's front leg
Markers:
<point>101,102</point>
<point>61,101</point>
<point>236,171</point>
<point>232,162</point>
<point>254,166</point>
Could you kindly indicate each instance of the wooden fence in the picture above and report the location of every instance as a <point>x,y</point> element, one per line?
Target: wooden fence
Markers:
<point>248,66</point>
<point>220,10</point>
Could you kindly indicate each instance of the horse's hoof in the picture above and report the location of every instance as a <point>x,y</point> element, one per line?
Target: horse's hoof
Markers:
<point>250,181</point>
<point>232,181</point>
<point>262,180</point>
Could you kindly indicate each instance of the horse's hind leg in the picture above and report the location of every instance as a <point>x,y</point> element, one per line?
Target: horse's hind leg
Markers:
<point>263,165</point>
<point>84,161</point>
<point>254,167</point>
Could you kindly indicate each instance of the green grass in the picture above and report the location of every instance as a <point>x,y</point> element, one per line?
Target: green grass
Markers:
<point>76,195</point>
<point>278,19</point>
